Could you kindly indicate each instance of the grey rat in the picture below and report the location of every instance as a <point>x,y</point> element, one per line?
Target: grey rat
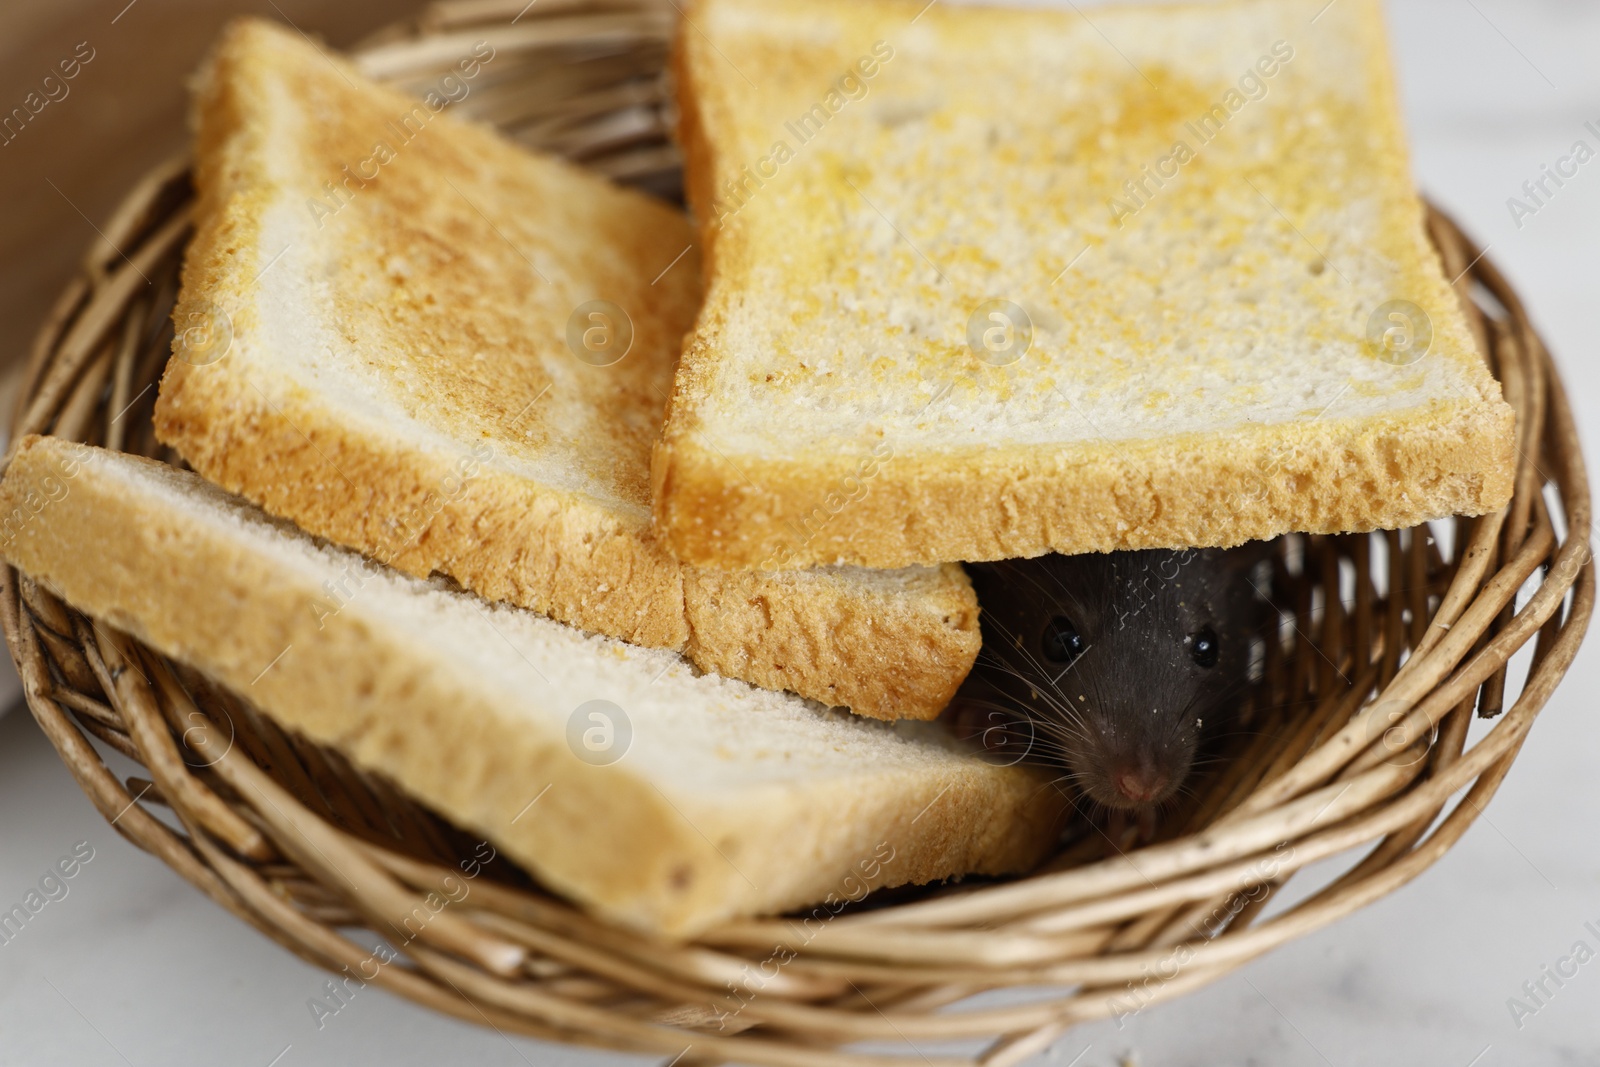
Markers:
<point>1114,665</point>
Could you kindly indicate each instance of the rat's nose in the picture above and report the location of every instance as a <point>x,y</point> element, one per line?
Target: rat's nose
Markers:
<point>1140,784</point>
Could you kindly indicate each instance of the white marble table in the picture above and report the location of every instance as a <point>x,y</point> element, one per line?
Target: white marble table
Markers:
<point>133,966</point>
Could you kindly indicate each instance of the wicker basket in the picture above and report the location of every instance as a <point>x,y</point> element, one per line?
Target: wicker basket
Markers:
<point>1395,641</point>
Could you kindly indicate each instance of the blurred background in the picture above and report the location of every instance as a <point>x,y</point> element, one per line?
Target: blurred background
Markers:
<point>123,113</point>
<point>136,967</point>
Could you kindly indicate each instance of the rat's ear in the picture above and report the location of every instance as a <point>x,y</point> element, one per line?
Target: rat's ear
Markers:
<point>1246,558</point>
<point>1250,566</point>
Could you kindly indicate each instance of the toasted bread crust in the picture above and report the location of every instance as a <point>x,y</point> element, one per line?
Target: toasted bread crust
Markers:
<point>894,654</point>
<point>741,505</point>
<point>496,534</point>
<point>392,694</point>
<point>593,563</point>
<point>1017,503</point>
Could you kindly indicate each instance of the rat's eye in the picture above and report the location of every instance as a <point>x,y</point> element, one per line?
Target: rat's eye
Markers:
<point>1061,641</point>
<point>1203,647</point>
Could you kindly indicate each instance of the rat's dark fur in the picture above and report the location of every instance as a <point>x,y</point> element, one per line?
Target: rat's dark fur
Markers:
<point>1127,715</point>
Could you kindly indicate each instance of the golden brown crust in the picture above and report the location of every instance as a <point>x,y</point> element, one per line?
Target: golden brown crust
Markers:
<point>466,508</point>
<point>380,679</point>
<point>1015,503</point>
<point>501,536</point>
<point>894,658</point>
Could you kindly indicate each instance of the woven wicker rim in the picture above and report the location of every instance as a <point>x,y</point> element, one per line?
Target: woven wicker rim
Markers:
<point>1363,745</point>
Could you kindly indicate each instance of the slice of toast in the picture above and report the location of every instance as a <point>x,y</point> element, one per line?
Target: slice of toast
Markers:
<point>1050,280</point>
<point>418,340</point>
<point>689,800</point>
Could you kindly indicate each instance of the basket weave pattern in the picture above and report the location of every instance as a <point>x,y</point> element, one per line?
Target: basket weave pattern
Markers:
<point>1394,642</point>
